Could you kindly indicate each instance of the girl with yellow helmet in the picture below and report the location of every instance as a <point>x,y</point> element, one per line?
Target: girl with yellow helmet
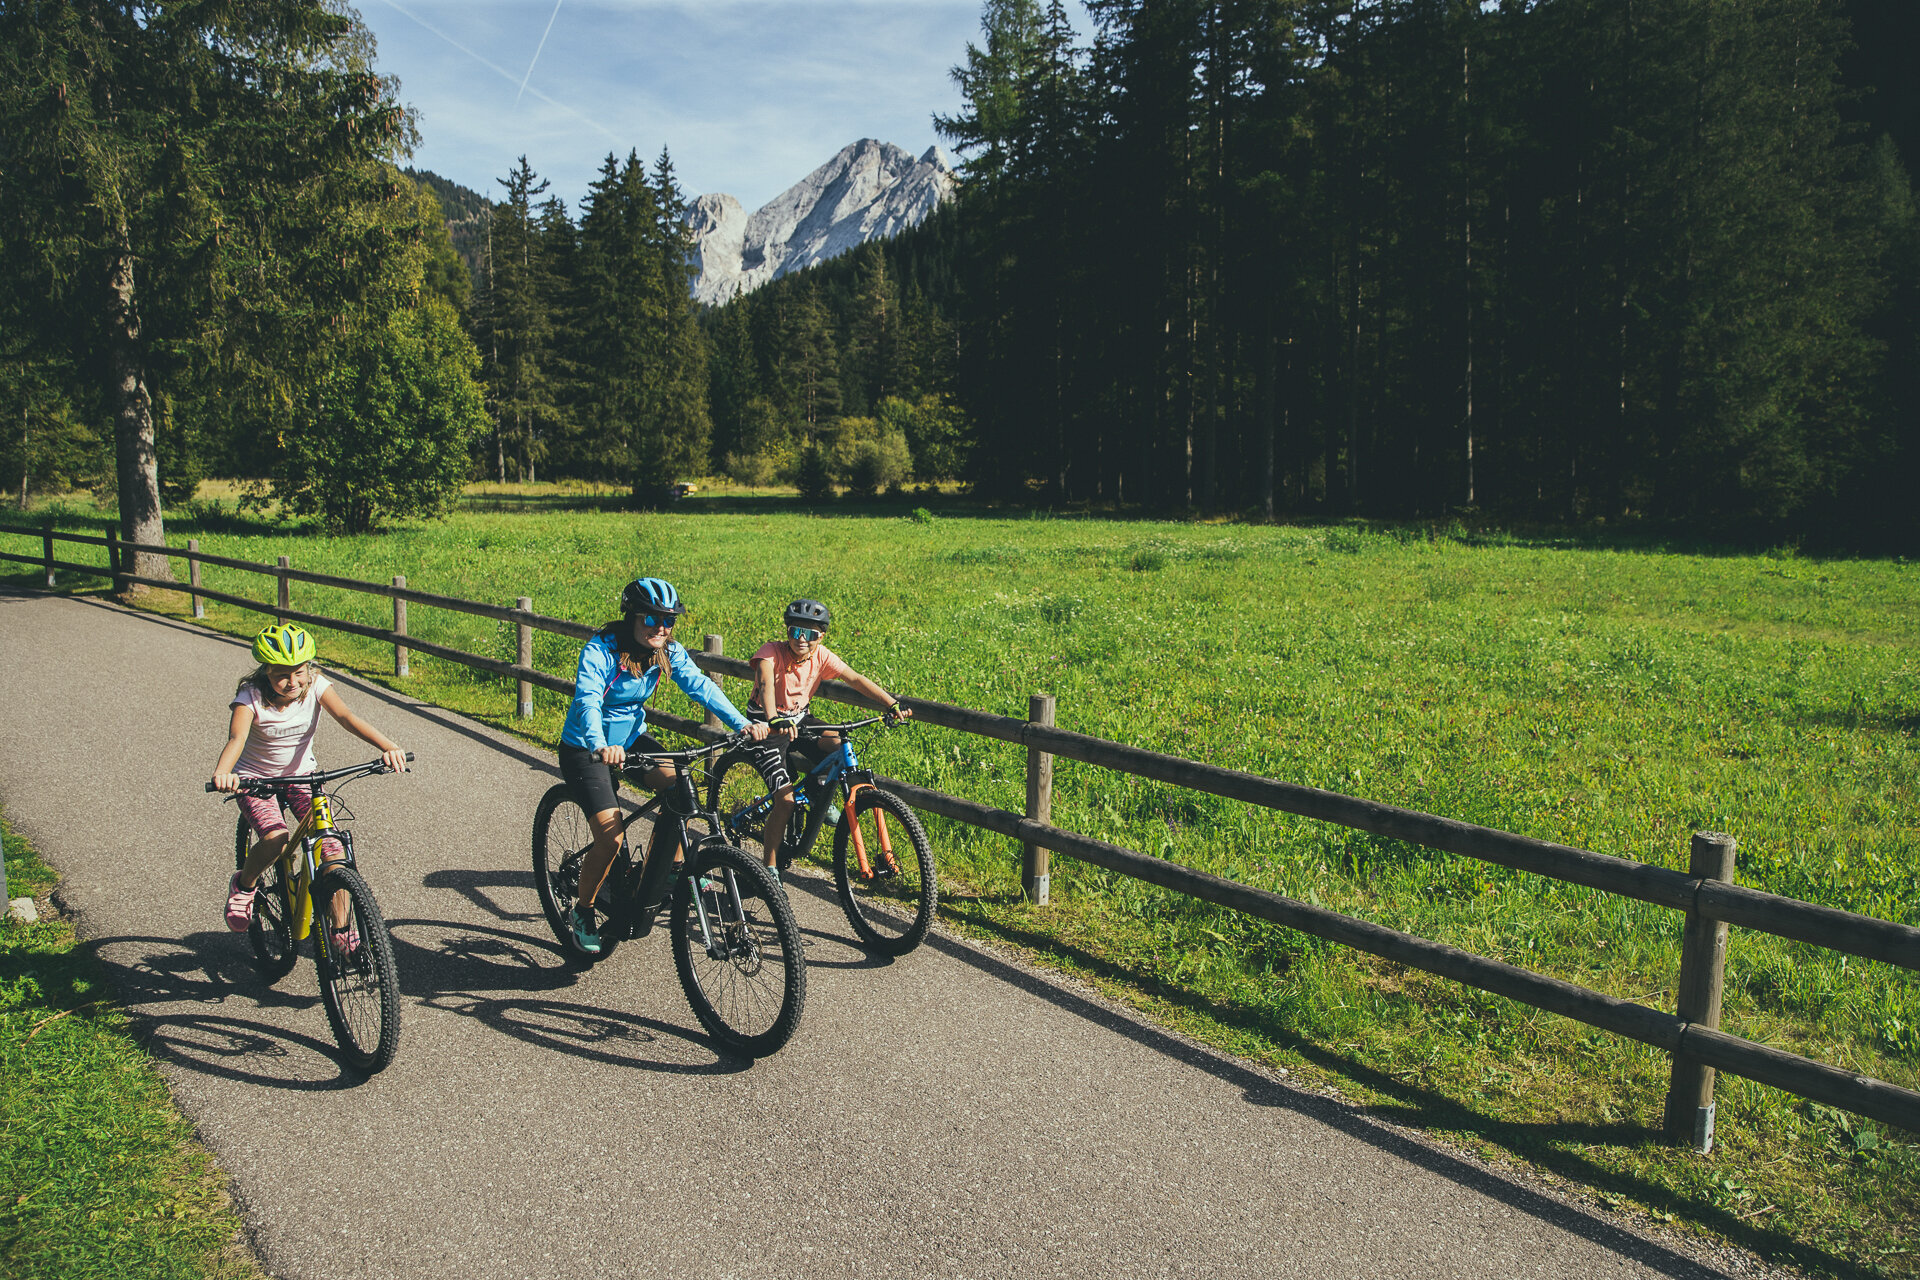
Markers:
<point>275,713</point>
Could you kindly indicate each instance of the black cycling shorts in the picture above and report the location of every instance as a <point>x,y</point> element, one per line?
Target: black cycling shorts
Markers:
<point>769,757</point>
<point>596,786</point>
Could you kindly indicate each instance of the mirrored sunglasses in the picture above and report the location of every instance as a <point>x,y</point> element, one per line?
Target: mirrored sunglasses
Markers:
<point>665,620</point>
<point>804,633</point>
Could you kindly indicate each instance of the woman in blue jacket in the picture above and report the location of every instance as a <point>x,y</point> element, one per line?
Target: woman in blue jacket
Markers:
<point>620,668</point>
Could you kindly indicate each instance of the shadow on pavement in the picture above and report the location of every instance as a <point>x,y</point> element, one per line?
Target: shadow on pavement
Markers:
<point>472,886</point>
<point>498,978</point>
<point>1262,1090</point>
<point>214,969</point>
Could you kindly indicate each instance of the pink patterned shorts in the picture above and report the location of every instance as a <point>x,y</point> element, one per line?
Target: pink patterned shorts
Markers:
<point>264,816</point>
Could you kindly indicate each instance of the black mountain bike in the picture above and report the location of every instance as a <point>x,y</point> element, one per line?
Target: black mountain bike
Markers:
<point>735,942</point>
<point>888,887</point>
<point>359,983</point>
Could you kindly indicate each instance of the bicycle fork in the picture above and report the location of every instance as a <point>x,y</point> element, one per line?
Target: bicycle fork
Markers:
<point>868,870</point>
<point>709,935</point>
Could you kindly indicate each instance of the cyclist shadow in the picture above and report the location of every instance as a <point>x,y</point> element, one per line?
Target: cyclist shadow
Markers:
<point>499,979</point>
<point>211,969</point>
<point>473,886</point>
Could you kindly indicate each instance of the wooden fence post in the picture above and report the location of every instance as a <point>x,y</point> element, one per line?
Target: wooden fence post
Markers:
<point>399,627</point>
<point>46,544</point>
<point>114,555</point>
<point>193,578</point>
<point>523,655</point>
<point>1034,860</point>
<point>715,645</point>
<point>285,602</point>
<point>1703,961</point>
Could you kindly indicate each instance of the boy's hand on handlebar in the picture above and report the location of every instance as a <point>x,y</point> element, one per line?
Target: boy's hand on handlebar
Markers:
<point>395,760</point>
<point>896,713</point>
<point>756,730</point>
<point>615,756</point>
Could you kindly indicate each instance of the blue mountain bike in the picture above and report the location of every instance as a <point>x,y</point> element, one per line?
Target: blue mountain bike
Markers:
<point>882,863</point>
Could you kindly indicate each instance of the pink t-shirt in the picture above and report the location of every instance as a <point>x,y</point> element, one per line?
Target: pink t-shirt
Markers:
<point>794,680</point>
<point>281,739</point>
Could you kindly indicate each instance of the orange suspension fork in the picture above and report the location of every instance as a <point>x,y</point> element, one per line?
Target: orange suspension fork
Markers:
<point>859,839</point>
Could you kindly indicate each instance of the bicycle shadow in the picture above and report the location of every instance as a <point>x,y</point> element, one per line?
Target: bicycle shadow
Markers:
<point>498,978</point>
<point>209,969</point>
<point>473,886</point>
<point>846,952</point>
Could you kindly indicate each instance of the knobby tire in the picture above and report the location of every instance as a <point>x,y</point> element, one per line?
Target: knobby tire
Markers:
<point>361,991</point>
<point>891,913</point>
<point>749,991</point>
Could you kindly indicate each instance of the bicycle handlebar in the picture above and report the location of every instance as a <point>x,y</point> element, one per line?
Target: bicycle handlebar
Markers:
<point>258,786</point>
<point>842,728</point>
<point>640,762</point>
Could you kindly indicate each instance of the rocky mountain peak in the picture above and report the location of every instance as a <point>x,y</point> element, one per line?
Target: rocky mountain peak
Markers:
<point>869,191</point>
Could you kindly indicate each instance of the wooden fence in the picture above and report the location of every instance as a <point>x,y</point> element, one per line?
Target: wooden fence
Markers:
<point>1705,892</point>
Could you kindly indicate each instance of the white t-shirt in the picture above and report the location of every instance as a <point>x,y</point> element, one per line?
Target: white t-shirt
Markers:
<point>281,739</point>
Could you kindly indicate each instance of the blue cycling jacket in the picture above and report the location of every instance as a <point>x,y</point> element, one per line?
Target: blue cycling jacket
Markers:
<point>609,702</point>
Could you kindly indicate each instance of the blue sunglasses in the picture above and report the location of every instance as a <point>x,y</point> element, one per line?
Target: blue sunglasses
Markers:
<point>664,620</point>
<point>804,633</point>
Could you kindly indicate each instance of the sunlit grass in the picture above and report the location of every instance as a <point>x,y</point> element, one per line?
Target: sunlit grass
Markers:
<point>100,1177</point>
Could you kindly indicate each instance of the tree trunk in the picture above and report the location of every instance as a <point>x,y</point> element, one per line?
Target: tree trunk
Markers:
<point>135,465</point>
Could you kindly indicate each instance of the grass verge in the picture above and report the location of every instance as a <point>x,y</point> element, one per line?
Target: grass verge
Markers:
<point>100,1177</point>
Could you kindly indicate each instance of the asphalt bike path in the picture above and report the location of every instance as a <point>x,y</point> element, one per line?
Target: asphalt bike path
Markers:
<point>951,1113</point>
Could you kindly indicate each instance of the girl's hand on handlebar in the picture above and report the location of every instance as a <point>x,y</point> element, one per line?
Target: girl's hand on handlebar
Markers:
<point>756,730</point>
<point>615,756</point>
<point>395,760</point>
<point>226,782</point>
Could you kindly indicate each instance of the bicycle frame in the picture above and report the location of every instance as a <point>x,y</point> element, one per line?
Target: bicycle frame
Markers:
<point>646,897</point>
<point>299,859</point>
<point>840,767</point>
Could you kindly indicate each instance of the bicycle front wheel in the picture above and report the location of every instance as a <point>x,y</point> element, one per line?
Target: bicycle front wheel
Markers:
<point>737,948</point>
<point>271,930</point>
<point>359,982</point>
<point>891,899</point>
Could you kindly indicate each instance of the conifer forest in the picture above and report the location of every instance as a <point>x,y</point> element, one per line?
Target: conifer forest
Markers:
<point>1548,262</point>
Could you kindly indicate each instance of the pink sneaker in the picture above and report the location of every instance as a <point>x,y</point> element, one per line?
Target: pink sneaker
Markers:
<point>239,904</point>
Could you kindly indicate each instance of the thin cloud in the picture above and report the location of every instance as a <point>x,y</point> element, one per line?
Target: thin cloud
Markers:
<point>536,51</point>
<point>500,71</point>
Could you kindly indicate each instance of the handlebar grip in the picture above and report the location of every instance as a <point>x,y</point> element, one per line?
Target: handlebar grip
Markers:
<point>409,757</point>
<point>211,787</point>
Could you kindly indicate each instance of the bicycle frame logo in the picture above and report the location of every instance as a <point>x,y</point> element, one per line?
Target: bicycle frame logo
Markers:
<point>298,857</point>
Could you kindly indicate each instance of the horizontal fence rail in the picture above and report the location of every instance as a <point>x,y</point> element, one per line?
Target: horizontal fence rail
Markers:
<point>1695,1042</point>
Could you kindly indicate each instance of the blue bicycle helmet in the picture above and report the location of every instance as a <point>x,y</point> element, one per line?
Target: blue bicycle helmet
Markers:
<point>650,595</point>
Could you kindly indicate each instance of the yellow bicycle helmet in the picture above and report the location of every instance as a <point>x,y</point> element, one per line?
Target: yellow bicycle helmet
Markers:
<point>284,645</point>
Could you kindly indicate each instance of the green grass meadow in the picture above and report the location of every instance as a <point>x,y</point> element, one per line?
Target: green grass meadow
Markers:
<point>100,1178</point>
<point>1610,696</point>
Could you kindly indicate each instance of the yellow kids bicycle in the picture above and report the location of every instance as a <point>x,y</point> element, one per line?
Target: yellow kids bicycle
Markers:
<point>359,984</point>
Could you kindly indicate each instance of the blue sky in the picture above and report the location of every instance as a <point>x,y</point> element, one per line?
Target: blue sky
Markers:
<point>750,96</point>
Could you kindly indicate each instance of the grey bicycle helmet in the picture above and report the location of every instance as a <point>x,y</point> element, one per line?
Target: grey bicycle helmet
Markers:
<point>808,613</point>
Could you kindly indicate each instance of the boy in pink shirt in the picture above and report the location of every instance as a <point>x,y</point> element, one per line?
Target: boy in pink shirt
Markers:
<point>785,675</point>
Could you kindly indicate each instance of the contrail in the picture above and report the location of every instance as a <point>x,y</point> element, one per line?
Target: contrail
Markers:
<point>502,72</point>
<point>536,51</point>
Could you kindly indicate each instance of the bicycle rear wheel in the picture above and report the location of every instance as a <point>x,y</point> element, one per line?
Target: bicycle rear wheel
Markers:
<point>735,787</point>
<point>891,903</point>
<point>561,837</point>
<point>737,948</point>
<point>271,930</point>
<point>360,986</point>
